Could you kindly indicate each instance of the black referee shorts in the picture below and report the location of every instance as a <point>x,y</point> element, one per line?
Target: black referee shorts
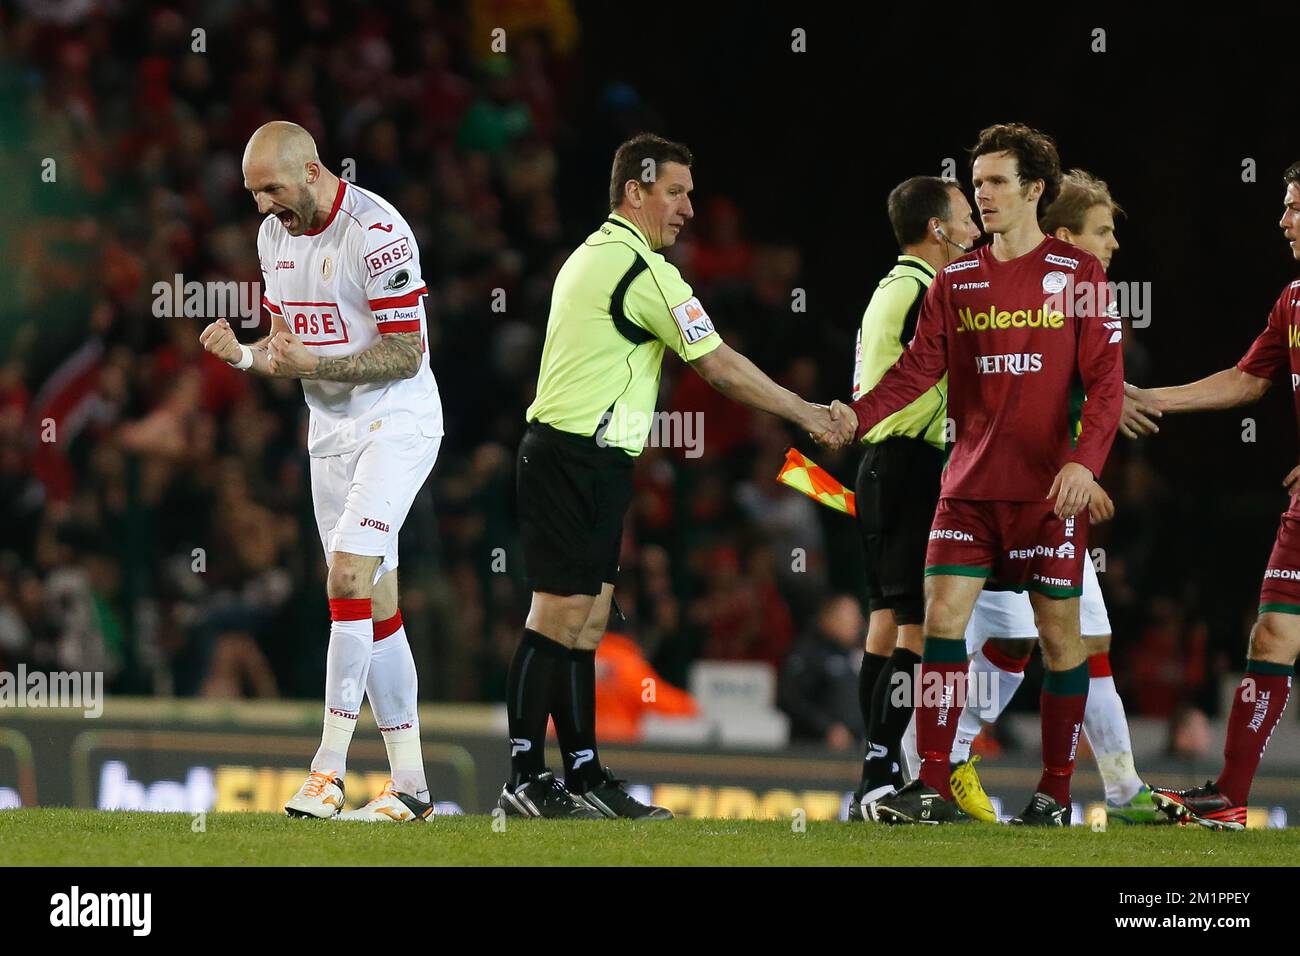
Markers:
<point>897,490</point>
<point>573,495</point>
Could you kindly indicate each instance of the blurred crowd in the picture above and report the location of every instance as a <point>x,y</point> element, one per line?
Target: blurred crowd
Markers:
<point>156,509</point>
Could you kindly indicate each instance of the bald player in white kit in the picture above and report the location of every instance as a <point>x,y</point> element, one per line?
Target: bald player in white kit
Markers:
<point>342,284</point>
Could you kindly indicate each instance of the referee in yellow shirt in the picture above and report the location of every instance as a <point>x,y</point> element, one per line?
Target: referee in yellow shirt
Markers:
<point>898,480</point>
<point>616,306</point>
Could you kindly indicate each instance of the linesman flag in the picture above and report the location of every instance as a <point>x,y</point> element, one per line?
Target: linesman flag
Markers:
<point>803,474</point>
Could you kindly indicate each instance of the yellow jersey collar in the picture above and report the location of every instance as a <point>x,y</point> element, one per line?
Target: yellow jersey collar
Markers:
<point>627,224</point>
<point>916,262</point>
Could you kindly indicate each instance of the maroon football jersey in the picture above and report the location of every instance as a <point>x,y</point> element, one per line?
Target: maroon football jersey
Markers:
<point>1277,349</point>
<point>1015,338</point>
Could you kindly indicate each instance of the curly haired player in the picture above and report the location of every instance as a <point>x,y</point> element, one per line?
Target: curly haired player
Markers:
<point>1014,502</point>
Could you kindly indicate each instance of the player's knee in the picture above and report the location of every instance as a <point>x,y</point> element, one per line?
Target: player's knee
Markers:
<point>1056,639</point>
<point>350,577</point>
<point>944,618</point>
<point>1272,640</point>
<point>1057,629</point>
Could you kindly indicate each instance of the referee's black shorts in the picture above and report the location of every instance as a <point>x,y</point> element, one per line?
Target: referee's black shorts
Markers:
<point>573,495</point>
<point>897,490</point>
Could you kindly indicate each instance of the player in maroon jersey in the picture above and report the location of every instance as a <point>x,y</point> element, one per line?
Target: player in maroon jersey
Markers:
<point>1275,638</point>
<point>1014,324</point>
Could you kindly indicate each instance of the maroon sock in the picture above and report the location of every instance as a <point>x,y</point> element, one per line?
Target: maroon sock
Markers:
<point>1256,709</point>
<point>1061,704</point>
<point>942,695</point>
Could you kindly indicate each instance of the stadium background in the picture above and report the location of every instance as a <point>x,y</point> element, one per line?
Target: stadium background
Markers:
<point>501,164</point>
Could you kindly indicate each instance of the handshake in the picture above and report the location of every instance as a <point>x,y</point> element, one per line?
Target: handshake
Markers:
<point>831,426</point>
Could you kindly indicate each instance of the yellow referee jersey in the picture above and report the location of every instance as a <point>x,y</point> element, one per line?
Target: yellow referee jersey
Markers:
<point>887,327</point>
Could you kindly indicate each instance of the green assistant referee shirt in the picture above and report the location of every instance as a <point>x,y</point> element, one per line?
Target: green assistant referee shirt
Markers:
<point>887,327</point>
<point>615,306</point>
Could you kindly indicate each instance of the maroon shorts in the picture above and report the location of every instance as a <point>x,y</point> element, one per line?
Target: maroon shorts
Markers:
<point>1281,588</point>
<point>1015,544</point>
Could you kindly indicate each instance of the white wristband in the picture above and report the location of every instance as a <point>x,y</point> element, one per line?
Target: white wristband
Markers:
<point>245,358</point>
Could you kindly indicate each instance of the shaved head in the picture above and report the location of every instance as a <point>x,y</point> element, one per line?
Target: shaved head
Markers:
<point>283,171</point>
<point>280,146</point>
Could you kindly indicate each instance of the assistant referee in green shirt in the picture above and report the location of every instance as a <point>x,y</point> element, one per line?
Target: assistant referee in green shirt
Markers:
<point>616,306</point>
<point>898,479</point>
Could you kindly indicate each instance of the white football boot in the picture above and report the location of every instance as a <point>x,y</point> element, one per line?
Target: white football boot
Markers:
<point>321,797</point>
<point>391,806</point>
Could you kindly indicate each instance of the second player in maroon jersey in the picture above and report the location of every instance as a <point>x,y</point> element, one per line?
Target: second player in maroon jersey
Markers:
<point>1265,689</point>
<point>1013,337</point>
<point>1018,326</point>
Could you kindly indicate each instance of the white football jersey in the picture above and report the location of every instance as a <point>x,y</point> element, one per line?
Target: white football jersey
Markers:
<point>339,288</point>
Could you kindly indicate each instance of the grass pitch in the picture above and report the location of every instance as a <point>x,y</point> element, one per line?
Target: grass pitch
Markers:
<point>60,837</point>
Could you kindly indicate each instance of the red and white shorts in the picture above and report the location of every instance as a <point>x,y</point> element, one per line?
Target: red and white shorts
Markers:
<point>1015,544</point>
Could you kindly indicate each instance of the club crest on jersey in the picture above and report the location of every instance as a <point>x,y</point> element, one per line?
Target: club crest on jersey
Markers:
<point>1054,282</point>
<point>326,268</point>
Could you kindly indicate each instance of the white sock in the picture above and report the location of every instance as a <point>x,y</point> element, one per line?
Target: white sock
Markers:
<point>1106,727</point>
<point>968,728</point>
<point>346,666</point>
<point>907,747</point>
<point>990,689</point>
<point>393,688</point>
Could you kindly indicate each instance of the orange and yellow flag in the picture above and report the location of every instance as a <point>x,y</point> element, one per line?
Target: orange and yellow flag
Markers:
<point>803,474</point>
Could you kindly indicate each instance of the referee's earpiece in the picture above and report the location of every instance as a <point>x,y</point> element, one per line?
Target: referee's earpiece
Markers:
<point>943,237</point>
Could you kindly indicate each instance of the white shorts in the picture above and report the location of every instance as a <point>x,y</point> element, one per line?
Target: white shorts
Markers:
<point>1010,615</point>
<point>362,498</point>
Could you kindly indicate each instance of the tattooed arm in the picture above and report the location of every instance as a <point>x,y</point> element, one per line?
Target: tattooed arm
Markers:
<point>395,356</point>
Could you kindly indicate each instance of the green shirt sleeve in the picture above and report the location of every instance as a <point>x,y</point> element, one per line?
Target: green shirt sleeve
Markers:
<point>885,330</point>
<point>660,301</point>
<point>887,327</point>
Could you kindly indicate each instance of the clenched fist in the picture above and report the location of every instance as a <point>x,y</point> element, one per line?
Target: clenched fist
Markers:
<point>287,356</point>
<point>219,339</point>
